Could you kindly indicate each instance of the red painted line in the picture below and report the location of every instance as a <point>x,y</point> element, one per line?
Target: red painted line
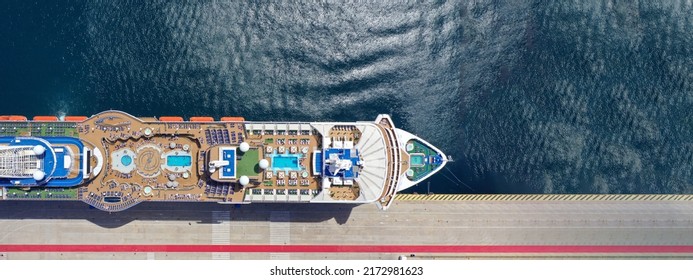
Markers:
<point>95,248</point>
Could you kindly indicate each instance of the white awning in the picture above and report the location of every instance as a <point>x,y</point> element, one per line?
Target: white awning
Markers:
<point>304,127</point>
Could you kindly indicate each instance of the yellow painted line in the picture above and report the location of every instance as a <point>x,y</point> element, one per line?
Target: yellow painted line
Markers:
<point>548,197</point>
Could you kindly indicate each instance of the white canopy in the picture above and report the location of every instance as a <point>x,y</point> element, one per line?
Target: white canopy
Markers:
<point>264,164</point>
<point>244,147</point>
<point>38,150</point>
<point>38,174</point>
<point>244,180</point>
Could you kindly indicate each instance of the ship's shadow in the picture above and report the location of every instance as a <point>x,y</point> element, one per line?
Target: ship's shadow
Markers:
<point>193,212</point>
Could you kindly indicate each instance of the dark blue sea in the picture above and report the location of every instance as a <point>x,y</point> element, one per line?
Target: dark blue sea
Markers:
<point>526,96</point>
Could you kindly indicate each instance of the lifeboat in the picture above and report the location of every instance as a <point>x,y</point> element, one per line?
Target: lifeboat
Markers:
<point>170,119</point>
<point>75,118</point>
<point>45,119</point>
<point>201,119</point>
<point>17,118</point>
<point>232,119</point>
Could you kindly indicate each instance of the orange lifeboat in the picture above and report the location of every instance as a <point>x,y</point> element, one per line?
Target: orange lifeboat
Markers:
<point>170,119</point>
<point>232,119</point>
<point>201,119</point>
<point>17,118</point>
<point>75,118</point>
<point>45,119</point>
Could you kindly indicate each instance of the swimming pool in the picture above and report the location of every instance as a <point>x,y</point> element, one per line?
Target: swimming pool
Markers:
<point>126,160</point>
<point>286,162</point>
<point>178,160</point>
<point>417,159</point>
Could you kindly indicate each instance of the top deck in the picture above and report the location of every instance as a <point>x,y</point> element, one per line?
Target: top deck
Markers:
<point>126,160</point>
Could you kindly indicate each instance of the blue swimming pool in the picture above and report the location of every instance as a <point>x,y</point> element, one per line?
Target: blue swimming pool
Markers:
<point>126,160</point>
<point>286,162</point>
<point>178,160</point>
<point>417,160</point>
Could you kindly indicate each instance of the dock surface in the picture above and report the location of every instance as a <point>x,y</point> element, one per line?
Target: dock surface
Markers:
<point>469,228</point>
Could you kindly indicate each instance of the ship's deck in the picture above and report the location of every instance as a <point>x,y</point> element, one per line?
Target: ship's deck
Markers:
<point>158,175</point>
<point>127,160</point>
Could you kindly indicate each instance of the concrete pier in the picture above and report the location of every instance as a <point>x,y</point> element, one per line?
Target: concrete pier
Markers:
<point>495,224</point>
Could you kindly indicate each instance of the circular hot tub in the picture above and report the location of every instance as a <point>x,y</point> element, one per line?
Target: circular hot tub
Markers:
<point>126,160</point>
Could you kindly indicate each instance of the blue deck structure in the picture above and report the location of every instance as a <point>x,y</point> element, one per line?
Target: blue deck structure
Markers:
<point>229,171</point>
<point>317,162</point>
<point>342,154</point>
<point>67,182</point>
<point>60,170</point>
<point>53,162</point>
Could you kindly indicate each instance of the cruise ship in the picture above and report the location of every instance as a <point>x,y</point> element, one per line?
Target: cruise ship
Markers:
<point>113,160</point>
